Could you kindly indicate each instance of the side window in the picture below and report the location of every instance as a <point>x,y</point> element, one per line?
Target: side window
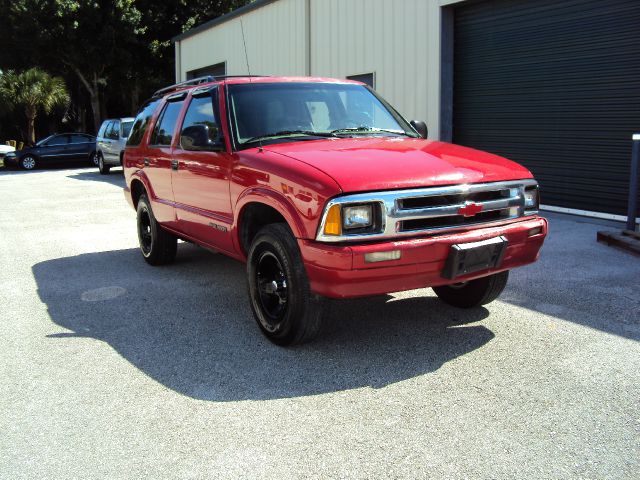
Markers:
<point>103,129</point>
<point>107,130</point>
<point>126,129</point>
<point>166,124</point>
<point>58,140</point>
<point>141,123</point>
<point>200,129</point>
<point>79,139</point>
<point>114,131</point>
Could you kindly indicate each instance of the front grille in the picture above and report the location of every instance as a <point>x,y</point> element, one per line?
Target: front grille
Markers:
<point>455,221</point>
<point>437,209</point>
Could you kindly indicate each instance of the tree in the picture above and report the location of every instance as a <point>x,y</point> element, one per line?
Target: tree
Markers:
<point>33,90</point>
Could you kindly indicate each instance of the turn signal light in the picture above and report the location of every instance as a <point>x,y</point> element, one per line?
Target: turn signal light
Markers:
<point>333,224</point>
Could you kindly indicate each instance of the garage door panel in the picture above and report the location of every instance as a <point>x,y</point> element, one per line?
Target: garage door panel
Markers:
<point>554,86</point>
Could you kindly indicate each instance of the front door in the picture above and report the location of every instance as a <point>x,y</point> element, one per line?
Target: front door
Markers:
<point>201,176</point>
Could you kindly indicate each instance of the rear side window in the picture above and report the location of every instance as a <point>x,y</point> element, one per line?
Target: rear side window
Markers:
<point>141,123</point>
<point>166,124</point>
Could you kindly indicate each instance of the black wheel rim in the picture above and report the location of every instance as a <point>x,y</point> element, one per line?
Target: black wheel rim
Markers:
<point>273,291</point>
<point>144,231</point>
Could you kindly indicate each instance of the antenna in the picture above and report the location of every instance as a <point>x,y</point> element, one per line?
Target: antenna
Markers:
<point>246,57</point>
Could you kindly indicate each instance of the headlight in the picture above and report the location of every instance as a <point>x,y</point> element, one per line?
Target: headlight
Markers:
<point>352,219</point>
<point>359,216</point>
<point>10,154</point>
<point>531,198</point>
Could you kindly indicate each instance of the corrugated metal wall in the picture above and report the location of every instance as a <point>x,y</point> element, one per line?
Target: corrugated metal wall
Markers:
<point>347,37</point>
<point>350,37</point>
<point>556,87</point>
<point>276,42</point>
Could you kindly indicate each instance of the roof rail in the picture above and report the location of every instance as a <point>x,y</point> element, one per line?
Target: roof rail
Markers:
<point>187,83</point>
<point>197,81</point>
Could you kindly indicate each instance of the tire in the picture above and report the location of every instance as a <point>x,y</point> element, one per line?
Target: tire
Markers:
<point>158,246</point>
<point>475,292</point>
<point>104,169</point>
<point>93,158</point>
<point>284,307</point>
<point>28,162</point>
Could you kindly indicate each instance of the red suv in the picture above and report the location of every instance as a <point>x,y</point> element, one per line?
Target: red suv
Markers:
<point>324,190</point>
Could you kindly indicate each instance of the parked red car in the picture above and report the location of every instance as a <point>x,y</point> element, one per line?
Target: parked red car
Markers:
<point>324,190</point>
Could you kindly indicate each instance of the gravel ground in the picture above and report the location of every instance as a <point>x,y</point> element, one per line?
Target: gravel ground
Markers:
<point>113,369</point>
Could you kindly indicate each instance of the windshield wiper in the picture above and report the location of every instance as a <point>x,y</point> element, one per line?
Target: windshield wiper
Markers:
<point>365,129</point>
<point>285,133</point>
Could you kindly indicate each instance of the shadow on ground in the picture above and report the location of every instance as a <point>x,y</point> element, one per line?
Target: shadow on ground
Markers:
<point>580,280</point>
<point>114,177</point>
<point>189,327</point>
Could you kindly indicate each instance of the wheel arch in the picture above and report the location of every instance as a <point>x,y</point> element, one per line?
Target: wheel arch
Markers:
<point>261,207</point>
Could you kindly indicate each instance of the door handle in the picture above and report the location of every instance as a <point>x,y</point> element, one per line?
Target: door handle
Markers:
<point>146,162</point>
<point>174,164</point>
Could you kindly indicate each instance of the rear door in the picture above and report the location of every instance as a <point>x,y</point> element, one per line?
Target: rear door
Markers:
<point>158,157</point>
<point>80,147</point>
<point>201,176</point>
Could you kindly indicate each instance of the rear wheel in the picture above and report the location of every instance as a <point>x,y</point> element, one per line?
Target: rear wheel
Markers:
<point>283,305</point>
<point>158,246</point>
<point>28,162</point>
<point>94,158</point>
<point>104,169</point>
<point>474,292</point>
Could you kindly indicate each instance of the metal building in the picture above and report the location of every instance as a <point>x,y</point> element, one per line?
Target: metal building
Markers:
<point>552,85</point>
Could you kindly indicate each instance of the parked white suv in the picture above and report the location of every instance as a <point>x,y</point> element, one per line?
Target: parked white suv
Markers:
<point>111,141</point>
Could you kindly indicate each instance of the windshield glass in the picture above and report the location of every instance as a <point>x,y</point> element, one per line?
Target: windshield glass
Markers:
<point>286,111</point>
<point>126,128</point>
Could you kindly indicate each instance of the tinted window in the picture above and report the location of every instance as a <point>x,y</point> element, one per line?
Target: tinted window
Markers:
<point>108,130</point>
<point>57,140</point>
<point>200,114</point>
<point>141,123</point>
<point>79,139</point>
<point>166,124</point>
<point>126,129</point>
<point>114,132</point>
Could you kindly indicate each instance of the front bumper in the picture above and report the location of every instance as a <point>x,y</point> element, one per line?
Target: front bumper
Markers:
<point>341,271</point>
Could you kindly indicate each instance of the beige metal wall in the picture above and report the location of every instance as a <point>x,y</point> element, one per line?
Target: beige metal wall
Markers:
<point>398,40</point>
<point>275,36</point>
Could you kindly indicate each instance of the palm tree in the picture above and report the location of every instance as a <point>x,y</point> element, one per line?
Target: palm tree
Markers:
<point>33,90</point>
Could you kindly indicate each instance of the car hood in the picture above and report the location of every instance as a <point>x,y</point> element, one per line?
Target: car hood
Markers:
<point>382,163</point>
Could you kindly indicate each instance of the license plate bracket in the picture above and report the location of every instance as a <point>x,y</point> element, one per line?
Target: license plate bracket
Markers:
<point>465,258</point>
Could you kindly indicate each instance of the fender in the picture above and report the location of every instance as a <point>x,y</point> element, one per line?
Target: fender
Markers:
<point>141,176</point>
<point>273,199</point>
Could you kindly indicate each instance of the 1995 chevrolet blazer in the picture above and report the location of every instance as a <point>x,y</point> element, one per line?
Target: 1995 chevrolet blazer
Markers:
<point>324,190</point>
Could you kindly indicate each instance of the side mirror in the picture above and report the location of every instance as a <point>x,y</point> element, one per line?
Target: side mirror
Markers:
<point>420,127</point>
<point>201,138</point>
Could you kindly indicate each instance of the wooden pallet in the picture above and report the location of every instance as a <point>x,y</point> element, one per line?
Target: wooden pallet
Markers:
<point>625,240</point>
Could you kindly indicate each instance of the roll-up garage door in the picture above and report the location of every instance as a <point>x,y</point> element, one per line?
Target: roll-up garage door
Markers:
<point>554,86</point>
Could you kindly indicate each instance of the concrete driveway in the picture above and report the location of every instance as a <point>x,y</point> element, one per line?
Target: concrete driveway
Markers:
<point>110,368</point>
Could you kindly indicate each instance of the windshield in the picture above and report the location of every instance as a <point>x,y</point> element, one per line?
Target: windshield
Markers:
<point>126,128</point>
<point>276,112</point>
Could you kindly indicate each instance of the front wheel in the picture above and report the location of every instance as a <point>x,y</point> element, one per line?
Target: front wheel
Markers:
<point>28,162</point>
<point>158,246</point>
<point>104,169</point>
<point>283,305</point>
<point>474,292</point>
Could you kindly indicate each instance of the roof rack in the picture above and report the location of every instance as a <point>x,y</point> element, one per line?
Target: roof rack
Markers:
<point>197,81</point>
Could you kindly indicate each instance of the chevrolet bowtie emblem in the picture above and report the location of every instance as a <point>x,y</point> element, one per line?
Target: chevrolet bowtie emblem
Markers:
<point>470,209</point>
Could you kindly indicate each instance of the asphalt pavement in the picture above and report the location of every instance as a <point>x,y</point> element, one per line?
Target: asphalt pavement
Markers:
<point>110,368</point>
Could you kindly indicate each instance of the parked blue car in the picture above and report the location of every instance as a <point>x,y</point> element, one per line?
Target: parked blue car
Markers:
<point>56,149</point>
